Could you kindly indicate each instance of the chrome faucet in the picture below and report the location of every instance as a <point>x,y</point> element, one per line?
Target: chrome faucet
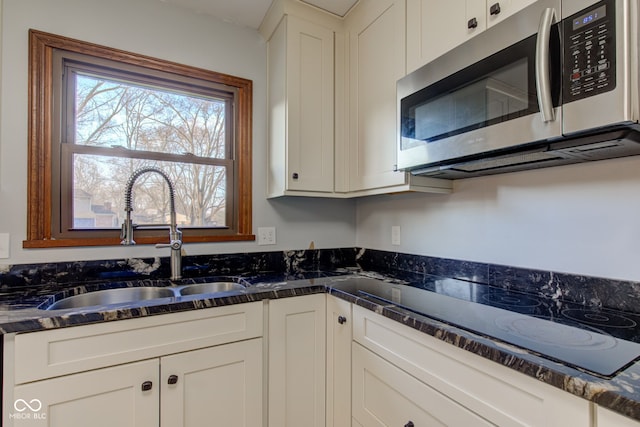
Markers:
<point>175,235</point>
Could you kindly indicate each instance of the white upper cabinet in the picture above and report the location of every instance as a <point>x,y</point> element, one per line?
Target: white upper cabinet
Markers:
<point>499,10</point>
<point>332,101</point>
<point>434,27</point>
<point>300,107</point>
<point>377,44</point>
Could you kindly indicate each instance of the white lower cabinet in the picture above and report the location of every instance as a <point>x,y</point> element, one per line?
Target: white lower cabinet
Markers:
<point>384,395</point>
<point>608,418</point>
<point>330,364</point>
<point>297,345</point>
<point>402,366</point>
<point>339,321</point>
<point>104,397</point>
<point>187,369</point>
<point>217,386</point>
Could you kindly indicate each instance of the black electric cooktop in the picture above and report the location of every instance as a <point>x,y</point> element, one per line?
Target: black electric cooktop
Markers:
<point>599,341</point>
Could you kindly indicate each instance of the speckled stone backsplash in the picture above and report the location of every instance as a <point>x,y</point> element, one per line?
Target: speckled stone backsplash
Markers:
<point>192,266</point>
<point>591,291</point>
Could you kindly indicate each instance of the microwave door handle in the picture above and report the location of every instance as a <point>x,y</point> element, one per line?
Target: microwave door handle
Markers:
<point>543,76</point>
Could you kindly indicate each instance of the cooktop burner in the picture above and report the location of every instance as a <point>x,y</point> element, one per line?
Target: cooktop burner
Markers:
<point>599,341</point>
<point>550,333</point>
<point>507,299</point>
<point>604,318</point>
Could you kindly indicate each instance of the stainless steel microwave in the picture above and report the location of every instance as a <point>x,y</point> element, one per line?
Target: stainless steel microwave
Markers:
<point>553,84</point>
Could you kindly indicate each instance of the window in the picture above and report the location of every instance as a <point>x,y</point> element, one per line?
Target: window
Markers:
<point>99,114</point>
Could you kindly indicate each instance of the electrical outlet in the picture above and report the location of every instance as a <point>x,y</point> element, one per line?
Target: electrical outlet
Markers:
<point>396,295</point>
<point>395,235</point>
<point>266,235</point>
<point>4,245</point>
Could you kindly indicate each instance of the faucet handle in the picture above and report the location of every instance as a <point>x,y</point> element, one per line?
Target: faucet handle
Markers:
<point>173,244</point>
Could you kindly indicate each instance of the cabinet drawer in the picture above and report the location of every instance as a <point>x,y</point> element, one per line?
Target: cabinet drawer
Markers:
<point>57,352</point>
<point>383,395</point>
<point>494,392</point>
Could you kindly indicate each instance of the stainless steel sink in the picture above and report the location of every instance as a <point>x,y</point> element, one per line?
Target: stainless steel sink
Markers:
<point>210,288</point>
<point>139,294</point>
<point>113,296</point>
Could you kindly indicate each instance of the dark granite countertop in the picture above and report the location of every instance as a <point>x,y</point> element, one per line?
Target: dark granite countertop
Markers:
<point>22,313</point>
<point>620,393</point>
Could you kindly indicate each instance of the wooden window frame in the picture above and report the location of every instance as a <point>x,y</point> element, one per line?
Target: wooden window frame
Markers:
<point>40,232</point>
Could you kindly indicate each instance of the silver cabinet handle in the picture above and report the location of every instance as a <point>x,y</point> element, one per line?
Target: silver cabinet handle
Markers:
<point>543,77</point>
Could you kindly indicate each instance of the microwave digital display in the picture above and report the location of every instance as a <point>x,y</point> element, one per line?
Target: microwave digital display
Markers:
<point>590,17</point>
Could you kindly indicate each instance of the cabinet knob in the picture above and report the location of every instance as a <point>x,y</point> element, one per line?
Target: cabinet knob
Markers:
<point>342,320</point>
<point>173,379</point>
<point>494,9</point>
<point>147,385</point>
<point>472,23</point>
<point>294,175</point>
<point>409,424</point>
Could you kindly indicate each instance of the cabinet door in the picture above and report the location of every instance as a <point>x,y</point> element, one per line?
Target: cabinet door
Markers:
<point>383,395</point>
<point>434,27</point>
<point>339,323</point>
<point>310,105</point>
<point>217,386</point>
<point>506,8</point>
<point>297,361</point>
<point>377,60</point>
<point>301,107</point>
<point>102,398</point>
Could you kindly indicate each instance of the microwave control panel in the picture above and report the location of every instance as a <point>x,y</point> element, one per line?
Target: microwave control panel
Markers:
<point>589,52</point>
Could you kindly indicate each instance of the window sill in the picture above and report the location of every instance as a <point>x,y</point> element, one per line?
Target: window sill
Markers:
<point>68,243</point>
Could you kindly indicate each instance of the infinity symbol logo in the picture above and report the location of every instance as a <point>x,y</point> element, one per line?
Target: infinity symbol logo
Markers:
<point>22,405</point>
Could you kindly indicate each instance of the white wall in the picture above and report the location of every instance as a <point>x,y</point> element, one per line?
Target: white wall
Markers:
<point>153,28</point>
<point>582,219</point>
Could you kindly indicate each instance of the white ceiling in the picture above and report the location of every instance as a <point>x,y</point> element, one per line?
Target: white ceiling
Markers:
<point>249,13</point>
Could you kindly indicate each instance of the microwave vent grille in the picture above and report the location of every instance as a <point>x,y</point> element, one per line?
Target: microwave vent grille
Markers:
<point>519,159</point>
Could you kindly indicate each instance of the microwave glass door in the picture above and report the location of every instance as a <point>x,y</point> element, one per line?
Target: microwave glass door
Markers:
<point>499,88</point>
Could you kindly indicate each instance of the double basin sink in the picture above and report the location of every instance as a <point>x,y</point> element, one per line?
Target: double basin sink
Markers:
<point>139,294</point>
